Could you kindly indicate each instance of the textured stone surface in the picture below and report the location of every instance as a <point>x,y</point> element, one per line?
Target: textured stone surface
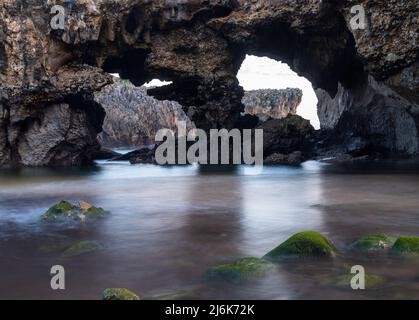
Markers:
<point>133,117</point>
<point>200,45</point>
<point>287,135</point>
<point>266,103</point>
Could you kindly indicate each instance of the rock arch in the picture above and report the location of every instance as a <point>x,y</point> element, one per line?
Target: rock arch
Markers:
<point>200,45</point>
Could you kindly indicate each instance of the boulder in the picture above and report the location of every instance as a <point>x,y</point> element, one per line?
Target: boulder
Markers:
<point>65,211</point>
<point>81,248</point>
<point>119,294</point>
<point>272,103</point>
<point>304,244</point>
<point>406,246</point>
<point>240,270</point>
<point>373,242</point>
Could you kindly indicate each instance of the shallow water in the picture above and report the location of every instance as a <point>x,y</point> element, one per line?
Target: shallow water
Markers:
<point>169,224</point>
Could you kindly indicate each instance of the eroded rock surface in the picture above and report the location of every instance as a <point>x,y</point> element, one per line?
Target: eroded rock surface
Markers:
<point>367,79</point>
<point>272,103</point>
<point>133,117</point>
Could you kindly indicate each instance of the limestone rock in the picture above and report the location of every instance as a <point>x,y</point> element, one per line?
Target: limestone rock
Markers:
<point>133,117</point>
<point>367,79</point>
<point>272,103</point>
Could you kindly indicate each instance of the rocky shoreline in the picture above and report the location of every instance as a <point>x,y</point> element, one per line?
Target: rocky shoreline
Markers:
<point>366,80</point>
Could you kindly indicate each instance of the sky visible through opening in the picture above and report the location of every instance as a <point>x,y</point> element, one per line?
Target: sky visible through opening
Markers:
<point>265,73</point>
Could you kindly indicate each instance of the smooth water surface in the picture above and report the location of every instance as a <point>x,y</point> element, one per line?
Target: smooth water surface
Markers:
<point>169,224</point>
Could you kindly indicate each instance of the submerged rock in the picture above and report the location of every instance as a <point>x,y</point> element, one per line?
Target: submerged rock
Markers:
<point>371,281</point>
<point>242,269</point>
<point>80,248</point>
<point>406,246</point>
<point>119,294</point>
<point>373,242</point>
<point>65,211</point>
<point>304,244</point>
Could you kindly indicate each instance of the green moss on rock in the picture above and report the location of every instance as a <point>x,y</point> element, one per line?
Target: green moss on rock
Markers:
<point>80,248</point>
<point>304,244</point>
<point>242,269</point>
<point>372,281</point>
<point>59,211</point>
<point>65,211</point>
<point>373,242</point>
<point>406,246</point>
<point>119,294</point>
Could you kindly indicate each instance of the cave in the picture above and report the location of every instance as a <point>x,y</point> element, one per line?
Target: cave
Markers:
<point>367,101</point>
<point>340,176</point>
<point>259,73</point>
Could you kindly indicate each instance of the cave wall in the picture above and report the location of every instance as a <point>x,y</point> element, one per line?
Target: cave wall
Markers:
<point>366,79</point>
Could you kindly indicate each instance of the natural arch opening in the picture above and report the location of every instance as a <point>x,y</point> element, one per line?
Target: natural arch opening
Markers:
<point>258,73</point>
<point>133,116</point>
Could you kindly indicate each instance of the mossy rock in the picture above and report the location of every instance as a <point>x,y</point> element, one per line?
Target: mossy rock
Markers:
<point>240,270</point>
<point>304,244</point>
<point>59,211</point>
<point>119,294</point>
<point>80,248</point>
<point>372,281</point>
<point>373,242</point>
<point>65,211</point>
<point>406,246</point>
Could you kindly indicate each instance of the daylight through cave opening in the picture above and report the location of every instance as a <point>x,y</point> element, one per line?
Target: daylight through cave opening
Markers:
<point>271,78</point>
<point>133,115</point>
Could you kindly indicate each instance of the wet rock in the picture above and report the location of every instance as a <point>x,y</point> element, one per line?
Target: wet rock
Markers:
<point>372,243</point>
<point>65,211</point>
<point>119,294</point>
<point>304,244</point>
<point>366,80</point>
<point>406,246</point>
<point>106,154</point>
<point>371,281</point>
<point>240,270</point>
<point>287,135</point>
<point>292,159</point>
<point>81,248</point>
<point>143,155</point>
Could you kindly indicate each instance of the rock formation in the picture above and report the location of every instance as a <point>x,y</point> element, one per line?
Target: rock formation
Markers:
<point>284,136</point>
<point>366,79</point>
<point>272,103</point>
<point>133,118</point>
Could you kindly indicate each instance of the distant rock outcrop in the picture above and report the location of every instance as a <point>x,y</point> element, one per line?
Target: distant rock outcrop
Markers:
<point>133,117</point>
<point>272,103</point>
